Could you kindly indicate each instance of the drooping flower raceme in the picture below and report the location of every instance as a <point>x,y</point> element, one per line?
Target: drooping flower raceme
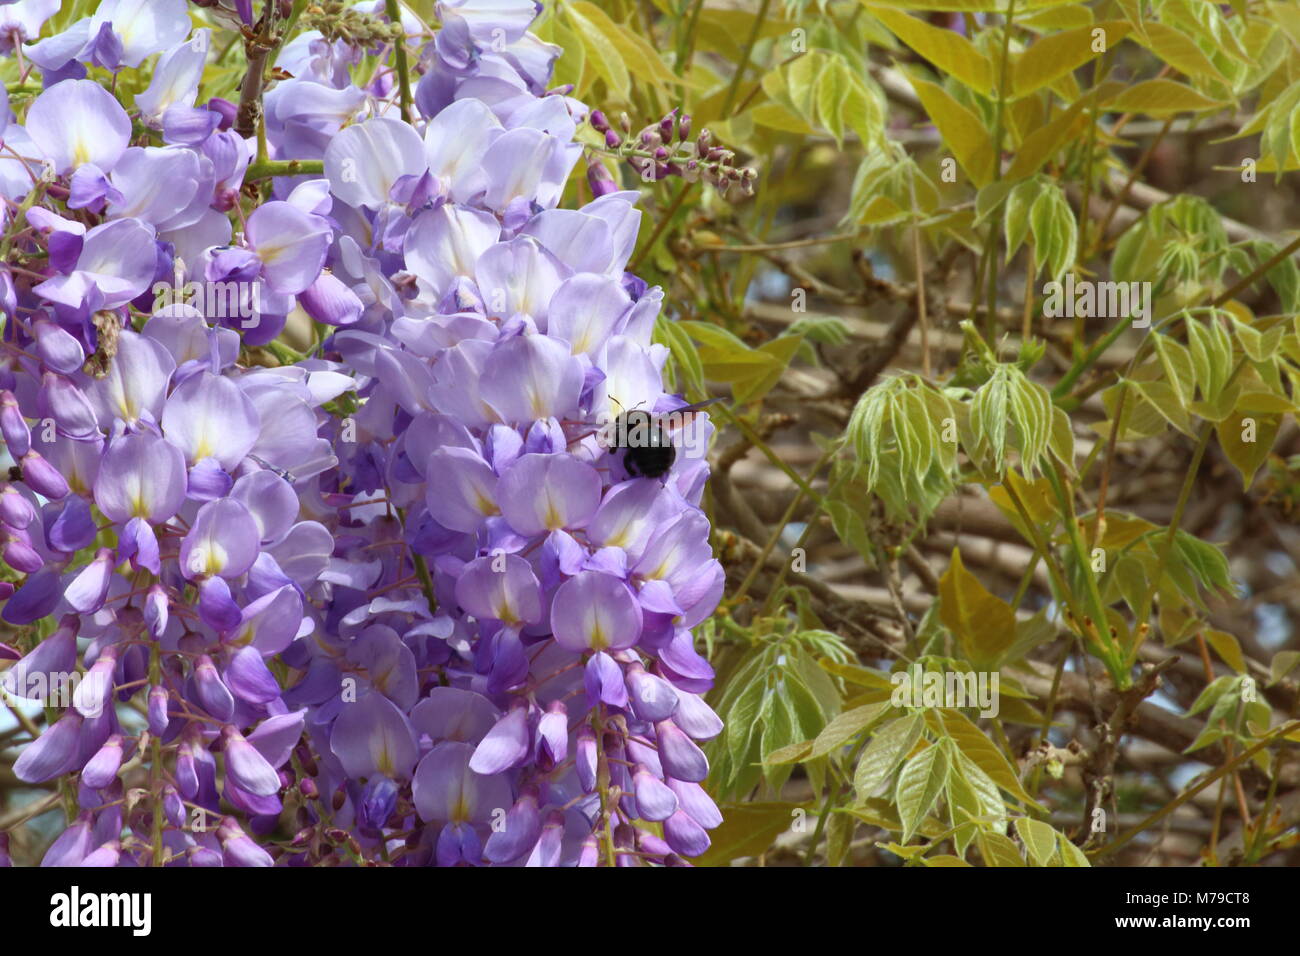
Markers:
<point>396,600</point>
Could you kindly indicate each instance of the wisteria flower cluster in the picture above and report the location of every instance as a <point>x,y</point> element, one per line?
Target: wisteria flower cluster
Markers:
<point>394,601</point>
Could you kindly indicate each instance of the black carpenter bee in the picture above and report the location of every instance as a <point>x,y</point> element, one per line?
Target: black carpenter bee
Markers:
<point>646,439</point>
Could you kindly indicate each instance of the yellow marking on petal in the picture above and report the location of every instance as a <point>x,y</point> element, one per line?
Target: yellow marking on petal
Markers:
<point>214,558</point>
<point>270,254</point>
<point>506,614</point>
<point>383,759</point>
<point>460,809</point>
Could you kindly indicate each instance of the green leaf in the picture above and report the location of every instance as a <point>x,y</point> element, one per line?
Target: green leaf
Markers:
<point>831,90</point>
<point>684,352</point>
<point>1161,97</point>
<point>974,744</point>
<point>1248,456</point>
<point>998,850</point>
<point>1055,231</point>
<point>919,785</point>
<point>947,50</point>
<point>600,50</point>
<point>642,60</point>
<point>1282,664</point>
<point>964,773</point>
<point>844,727</point>
<point>890,745</point>
<point>964,807</point>
<point>985,625</point>
<point>747,829</point>
<point>1211,695</point>
<point>1016,213</point>
<point>1059,54</point>
<point>1227,647</point>
<point>862,676</point>
<point>964,132</point>
<point>1039,839</point>
<point>1177,364</point>
<point>944,859</point>
<point>839,837</point>
<point>1177,49</point>
<point>1208,563</point>
<point>1071,855</point>
<point>742,719</point>
<point>794,753</point>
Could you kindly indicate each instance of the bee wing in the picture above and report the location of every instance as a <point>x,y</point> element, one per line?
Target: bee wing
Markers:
<point>680,416</point>
<point>698,405</point>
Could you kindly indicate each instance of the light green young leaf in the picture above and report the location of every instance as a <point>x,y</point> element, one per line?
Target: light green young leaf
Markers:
<point>1039,839</point>
<point>919,785</point>
<point>888,747</point>
<point>1055,231</point>
<point>950,52</point>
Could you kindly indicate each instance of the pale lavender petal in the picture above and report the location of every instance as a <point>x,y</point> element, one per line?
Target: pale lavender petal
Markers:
<point>548,492</point>
<point>247,768</point>
<point>291,244</point>
<point>678,753</point>
<point>78,122</point>
<point>364,161</point>
<point>223,541</point>
<point>141,476</point>
<point>500,587</point>
<point>372,736</point>
<point>505,745</point>
<point>596,611</point>
<point>531,377</point>
<point>446,789</point>
<point>466,489</point>
<point>209,416</point>
<point>654,799</point>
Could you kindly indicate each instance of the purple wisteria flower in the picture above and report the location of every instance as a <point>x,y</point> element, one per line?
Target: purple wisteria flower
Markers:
<point>395,594</point>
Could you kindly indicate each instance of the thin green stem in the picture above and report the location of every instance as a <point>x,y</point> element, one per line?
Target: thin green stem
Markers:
<point>745,56</point>
<point>265,168</point>
<point>661,225</point>
<point>606,824</point>
<point>991,320</point>
<point>686,38</point>
<point>403,68</point>
<point>1086,361</point>
<point>1100,624</point>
